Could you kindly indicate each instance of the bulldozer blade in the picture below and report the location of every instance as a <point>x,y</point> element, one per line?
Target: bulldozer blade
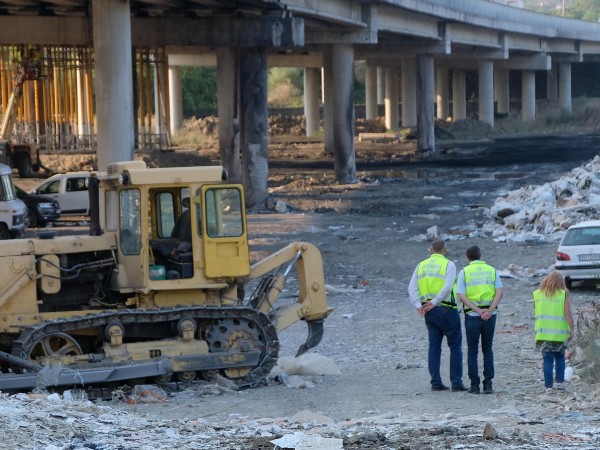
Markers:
<point>315,334</point>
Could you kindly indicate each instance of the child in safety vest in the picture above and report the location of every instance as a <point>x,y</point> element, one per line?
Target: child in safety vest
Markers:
<point>553,326</point>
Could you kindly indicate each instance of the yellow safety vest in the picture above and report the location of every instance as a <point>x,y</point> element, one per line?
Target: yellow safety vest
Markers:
<point>480,283</point>
<point>550,321</point>
<point>431,277</point>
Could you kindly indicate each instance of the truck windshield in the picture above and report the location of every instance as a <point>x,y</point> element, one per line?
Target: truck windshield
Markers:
<point>7,188</point>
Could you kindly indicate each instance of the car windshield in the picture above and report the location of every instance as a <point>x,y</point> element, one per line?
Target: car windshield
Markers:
<point>582,236</point>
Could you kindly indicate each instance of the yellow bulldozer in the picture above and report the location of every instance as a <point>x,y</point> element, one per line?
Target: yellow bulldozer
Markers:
<point>155,290</point>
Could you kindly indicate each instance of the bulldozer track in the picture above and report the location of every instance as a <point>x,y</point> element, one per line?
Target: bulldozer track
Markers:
<point>23,345</point>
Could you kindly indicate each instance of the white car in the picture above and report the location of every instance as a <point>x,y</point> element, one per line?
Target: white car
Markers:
<point>70,190</point>
<point>578,255</point>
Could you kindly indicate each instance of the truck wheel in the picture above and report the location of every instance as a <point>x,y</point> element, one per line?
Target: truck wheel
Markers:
<point>24,167</point>
<point>4,232</point>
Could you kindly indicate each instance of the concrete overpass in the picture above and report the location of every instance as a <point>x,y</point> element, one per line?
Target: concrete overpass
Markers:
<point>410,39</point>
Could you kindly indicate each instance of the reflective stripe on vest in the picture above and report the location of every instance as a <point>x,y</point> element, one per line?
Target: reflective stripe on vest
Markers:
<point>431,277</point>
<point>480,283</point>
<point>550,321</point>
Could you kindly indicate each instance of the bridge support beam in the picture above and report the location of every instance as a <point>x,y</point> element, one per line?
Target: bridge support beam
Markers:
<point>328,110</point>
<point>441,98</point>
<point>425,103</point>
<point>371,110</point>
<point>114,81</point>
<point>343,121</point>
<point>254,123</point>
<point>392,120</point>
<point>459,94</point>
<point>312,78</point>
<point>175,99</point>
<point>552,82</point>
<point>409,93</point>
<point>528,96</point>
<point>501,91</point>
<point>227,103</point>
<point>486,91</point>
<point>565,86</point>
<point>380,85</point>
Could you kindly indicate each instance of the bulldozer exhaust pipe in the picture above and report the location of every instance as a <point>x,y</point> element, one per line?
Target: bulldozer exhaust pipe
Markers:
<point>315,334</point>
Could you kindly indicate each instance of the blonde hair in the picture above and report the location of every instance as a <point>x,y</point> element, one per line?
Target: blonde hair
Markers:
<point>552,283</point>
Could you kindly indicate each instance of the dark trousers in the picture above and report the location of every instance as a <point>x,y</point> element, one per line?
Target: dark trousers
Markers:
<point>444,321</point>
<point>475,328</point>
<point>549,359</point>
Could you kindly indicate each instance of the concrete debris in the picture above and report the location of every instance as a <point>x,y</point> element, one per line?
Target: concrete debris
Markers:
<point>330,289</point>
<point>489,432</point>
<point>543,213</point>
<point>303,441</point>
<point>433,233</point>
<point>310,364</point>
<point>513,271</point>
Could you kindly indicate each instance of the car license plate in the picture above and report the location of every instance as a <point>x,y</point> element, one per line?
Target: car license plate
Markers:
<point>589,257</point>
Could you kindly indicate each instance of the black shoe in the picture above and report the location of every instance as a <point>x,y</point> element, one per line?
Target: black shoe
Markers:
<point>459,388</point>
<point>487,389</point>
<point>474,390</point>
<point>440,387</point>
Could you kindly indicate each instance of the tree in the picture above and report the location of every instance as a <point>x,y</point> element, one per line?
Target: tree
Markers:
<point>584,10</point>
<point>199,85</point>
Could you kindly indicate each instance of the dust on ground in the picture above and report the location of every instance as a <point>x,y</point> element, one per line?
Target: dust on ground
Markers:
<point>368,235</point>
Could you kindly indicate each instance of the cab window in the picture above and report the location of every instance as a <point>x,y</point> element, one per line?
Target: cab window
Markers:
<point>129,222</point>
<point>224,212</point>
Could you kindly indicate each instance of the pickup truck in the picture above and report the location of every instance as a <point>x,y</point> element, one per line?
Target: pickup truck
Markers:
<point>70,190</point>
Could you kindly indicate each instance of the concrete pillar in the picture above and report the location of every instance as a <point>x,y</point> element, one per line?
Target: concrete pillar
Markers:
<point>380,85</point>
<point>114,81</point>
<point>371,92</point>
<point>425,103</point>
<point>392,121</point>
<point>409,92</point>
<point>459,94</point>
<point>344,162</point>
<point>227,110</point>
<point>501,91</point>
<point>175,99</point>
<point>312,78</point>
<point>528,96</point>
<point>254,123</point>
<point>328,111</point>
<point>441,97</point>
<point>565,86</point>
<point>82,130</point>
<point>323,81</point>
<point>486,91</point>
<point>552,82</point>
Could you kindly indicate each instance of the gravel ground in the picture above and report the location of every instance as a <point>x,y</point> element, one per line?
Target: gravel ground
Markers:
<point>371,238</point>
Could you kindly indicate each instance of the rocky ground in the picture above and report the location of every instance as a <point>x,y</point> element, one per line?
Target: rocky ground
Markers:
<point>371,235</point>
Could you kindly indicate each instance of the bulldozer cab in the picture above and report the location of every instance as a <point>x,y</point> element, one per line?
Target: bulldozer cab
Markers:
<point>176,230</point>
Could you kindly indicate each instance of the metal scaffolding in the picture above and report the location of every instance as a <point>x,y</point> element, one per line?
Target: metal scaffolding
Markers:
<point>57,109</point>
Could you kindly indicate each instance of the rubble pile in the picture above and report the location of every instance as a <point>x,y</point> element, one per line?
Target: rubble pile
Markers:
<point>545,212</point>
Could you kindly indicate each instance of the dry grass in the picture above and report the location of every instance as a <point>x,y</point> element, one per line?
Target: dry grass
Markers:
<point>586,344</point>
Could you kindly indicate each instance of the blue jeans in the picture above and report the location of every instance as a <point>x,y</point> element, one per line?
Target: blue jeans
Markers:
<point>549,359</point>
<point>444,321</point>
<point>476,327</point>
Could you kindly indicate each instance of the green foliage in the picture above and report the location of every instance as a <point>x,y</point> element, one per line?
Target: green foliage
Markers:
<point>583,9</point>
<point>199,86</point>
<point>286,86</point>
